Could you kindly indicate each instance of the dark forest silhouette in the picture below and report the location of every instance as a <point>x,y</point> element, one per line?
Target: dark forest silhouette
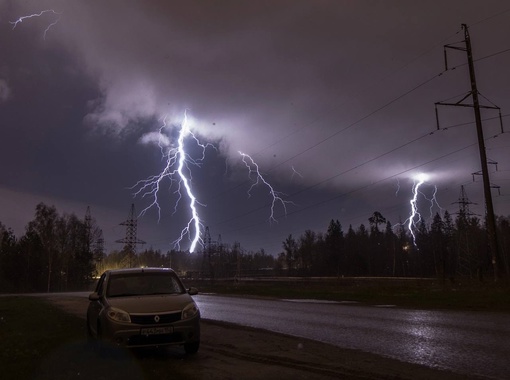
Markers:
<point>64,252</point>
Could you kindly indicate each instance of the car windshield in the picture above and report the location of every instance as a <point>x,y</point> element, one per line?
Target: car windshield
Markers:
<point>141,284</point>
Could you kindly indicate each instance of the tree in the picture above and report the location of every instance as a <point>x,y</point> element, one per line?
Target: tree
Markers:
<point>34,277</point>
<point>472,248</point>
<point>438,246</point>
<point>363,250</point>
<point>503,225</point>
<point>44,226</point>
<point>352,257</point>
<point>376,252</point>
<point>375,220</point>
<point>290,252</point>
<point>419,257</point>
<point>390,242</point>
<point>306,251</point>
<point>10,270</point>
<point>335,262</point>
<point>401,258</point>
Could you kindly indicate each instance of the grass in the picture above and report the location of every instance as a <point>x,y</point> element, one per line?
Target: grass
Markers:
<point>29,330</point>
<point>40,341</point>
<point>428,294</point>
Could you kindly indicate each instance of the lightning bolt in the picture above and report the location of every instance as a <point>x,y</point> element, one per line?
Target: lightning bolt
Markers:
<point>253,169</point>
<point>433,201</point>
<point>177,170</point>
<point>20,20</point>
<point>295,172</point>
<point>415,216</point>
<point>414,209</point>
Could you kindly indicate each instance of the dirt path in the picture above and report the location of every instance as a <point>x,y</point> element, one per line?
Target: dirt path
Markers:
<point>232,352</point>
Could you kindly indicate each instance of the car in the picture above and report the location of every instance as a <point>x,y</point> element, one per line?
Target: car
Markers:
<point>143,307</point>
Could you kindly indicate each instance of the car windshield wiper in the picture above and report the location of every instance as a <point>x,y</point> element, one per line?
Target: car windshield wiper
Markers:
<point>159,293</point>
<point>123,295</point>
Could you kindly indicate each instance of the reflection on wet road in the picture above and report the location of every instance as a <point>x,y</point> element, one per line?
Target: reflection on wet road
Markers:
<point>472,343</point>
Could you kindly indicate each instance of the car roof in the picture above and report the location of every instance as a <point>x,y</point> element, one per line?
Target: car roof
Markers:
<point>139,270</point>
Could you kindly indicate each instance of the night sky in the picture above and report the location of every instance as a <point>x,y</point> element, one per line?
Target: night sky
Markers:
<point>334,100</point>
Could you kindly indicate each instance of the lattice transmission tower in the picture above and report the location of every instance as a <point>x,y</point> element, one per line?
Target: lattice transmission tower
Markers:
<point>131,240</point>
<point>466,249</point>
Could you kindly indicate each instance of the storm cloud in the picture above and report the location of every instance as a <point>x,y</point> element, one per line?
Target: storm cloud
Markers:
<point>340,92</point>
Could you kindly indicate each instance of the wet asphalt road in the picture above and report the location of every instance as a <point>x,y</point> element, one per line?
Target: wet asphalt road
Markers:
<point>471,343</point>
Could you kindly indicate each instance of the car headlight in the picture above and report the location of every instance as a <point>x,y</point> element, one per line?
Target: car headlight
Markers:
<point>118,315</point>
<point>190,311</point>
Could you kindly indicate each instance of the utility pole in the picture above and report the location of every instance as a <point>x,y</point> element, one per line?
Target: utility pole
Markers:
<point>131,239</point>
<point>490,217</point>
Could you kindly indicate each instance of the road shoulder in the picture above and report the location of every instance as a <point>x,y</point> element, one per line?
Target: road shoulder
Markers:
<point>229,352</point>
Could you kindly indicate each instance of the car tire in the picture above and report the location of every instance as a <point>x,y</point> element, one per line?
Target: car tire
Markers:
<point>99,345</point>
<point>191,348</point>
<point>90,337</point>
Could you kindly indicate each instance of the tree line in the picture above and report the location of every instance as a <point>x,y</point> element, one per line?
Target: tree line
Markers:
<point>56,253</point>
<point>64,253</point>
<point>446,248</point>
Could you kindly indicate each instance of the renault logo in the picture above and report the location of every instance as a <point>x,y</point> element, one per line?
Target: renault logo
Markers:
<point>156,318</point>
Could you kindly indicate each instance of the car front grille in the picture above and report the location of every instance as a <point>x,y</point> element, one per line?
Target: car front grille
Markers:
<point>150,319</point>
<point>154,340</point>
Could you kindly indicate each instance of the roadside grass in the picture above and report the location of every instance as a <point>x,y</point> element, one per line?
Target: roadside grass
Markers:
<point>430,294</point>
<point>30,329</point>
<point>40,341</point>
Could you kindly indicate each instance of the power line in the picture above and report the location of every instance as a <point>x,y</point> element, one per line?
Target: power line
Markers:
<point>341,130</point>
<point>490,17</point>
<point>481,58</point>
<point>356,167</point>
<point>362,119</point>
<point>359,120</point>
<point>336,106</point>
<point>320,203</point>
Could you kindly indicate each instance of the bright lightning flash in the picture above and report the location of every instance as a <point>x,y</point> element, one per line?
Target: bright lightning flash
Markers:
<point>419,180</point>
<point>20,20</point>
<point>253,169</point>
<point>415,216</point>
<point>177,169</point>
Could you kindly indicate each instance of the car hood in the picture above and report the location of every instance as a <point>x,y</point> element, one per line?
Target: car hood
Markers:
<point>151,304</point>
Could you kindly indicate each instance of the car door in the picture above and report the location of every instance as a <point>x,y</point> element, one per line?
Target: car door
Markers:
<point>96,305</point>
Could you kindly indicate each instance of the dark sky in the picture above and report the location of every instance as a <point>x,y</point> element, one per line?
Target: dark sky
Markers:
<point>334,100</point>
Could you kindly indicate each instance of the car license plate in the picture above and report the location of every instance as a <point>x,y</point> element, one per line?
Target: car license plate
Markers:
<point>157,330</point>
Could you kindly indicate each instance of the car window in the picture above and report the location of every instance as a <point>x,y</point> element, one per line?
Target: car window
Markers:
<point>147,283</point>
<point>100,283</point>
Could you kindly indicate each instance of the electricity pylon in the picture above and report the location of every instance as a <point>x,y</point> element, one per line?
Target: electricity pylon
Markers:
<point>131,240</point>
<point>491,220</point>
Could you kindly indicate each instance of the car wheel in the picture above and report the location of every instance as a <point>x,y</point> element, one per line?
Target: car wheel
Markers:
<point>92,341</point>
<point>98,343</point>
<point>191,348</point>
<point>90,337</point>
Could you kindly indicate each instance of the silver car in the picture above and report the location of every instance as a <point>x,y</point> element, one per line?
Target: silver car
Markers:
<point>144,307</point>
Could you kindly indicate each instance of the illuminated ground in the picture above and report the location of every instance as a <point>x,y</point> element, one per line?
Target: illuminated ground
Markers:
<point>229,352</point>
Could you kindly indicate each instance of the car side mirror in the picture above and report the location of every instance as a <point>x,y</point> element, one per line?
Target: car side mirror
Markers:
<point>192,291</point>
<point>93,297</point>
